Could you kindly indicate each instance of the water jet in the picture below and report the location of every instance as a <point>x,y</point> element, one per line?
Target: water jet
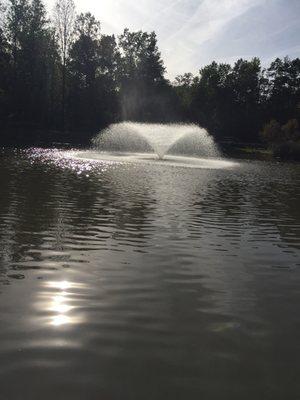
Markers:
<point>186,139</point>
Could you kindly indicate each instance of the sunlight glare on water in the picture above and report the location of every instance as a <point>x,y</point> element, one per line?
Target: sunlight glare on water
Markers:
<point>57,298</point>
<point>146,158</point>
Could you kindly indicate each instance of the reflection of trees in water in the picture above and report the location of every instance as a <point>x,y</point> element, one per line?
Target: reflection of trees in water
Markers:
<point>245,221</point>
<point>44,208</point>
<point>262,201</point>
<point>217,229</point>
<point>28,211</point>
<point>221,205</point>
<point>275,205</point>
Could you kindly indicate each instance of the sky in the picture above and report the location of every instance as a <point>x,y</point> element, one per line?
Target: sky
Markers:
<point>193,33</point>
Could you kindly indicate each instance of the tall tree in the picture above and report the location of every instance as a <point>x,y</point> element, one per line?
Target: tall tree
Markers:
<point>142,75</point>
<point>17,24</point>
<point>185,87</point>
<point>225,99</point>
<point>93,68</point>
<point>84,53</point>
<point>35,52</point>
<point>83,64</point>
<point>25,24</point>
<point>34,55</point>
<point>64,18</point>
<point>245,84</point>
<point>212,98</point>
<point>283,88</point>
<point>2,15</point>
<point>5,76</point>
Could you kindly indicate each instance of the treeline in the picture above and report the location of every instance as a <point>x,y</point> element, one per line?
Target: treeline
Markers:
<point>62,74</point>
<point>236,101</point>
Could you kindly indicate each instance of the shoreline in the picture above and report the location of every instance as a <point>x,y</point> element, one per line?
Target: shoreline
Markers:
<point>25,138</point>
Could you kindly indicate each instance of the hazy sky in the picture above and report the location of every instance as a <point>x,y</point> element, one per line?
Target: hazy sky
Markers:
<point>192,33</point>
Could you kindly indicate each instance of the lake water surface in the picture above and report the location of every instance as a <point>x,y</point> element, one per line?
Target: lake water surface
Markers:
<point>143,280</point>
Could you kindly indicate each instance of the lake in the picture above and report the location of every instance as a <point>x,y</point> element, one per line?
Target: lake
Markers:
<point>148,280</point>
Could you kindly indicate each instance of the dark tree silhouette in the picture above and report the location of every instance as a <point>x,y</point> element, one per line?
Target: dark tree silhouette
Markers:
<point>145,94</point>
<point>64,16</point>
<point>63,80</point>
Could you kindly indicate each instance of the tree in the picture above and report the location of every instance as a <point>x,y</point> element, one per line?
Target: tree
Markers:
<point>109,57</point>
<point>87,26</point>
<point>283,140</point>
<point>34,60</point>
<point>84,53</point>
<point>185,80</point>
<point>141,58</point>
<point>185,86</point>
<point>225,99</point>
<point>2,16</point>
<point>17,28</point>
<point>64,17</point>
<point>108,77</point>
<point>291,130</point>
<point>283,88</point>
<point>36,47</point>
<point>93,68</point>
<point>245,86</point>
<point>272,132</point>
<point>142,81</point>
<point>5,76</point>
<point>212,99</point>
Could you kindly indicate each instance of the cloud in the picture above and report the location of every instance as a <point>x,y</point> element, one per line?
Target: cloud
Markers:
<point>183,45</point>
<point>268,30</point>
<point>192,33</point>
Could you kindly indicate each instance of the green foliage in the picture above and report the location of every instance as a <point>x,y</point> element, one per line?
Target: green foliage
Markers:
<point>272,132</point>
<point>93,63</point>
<point>141,59</point>
<point>225,99</point>
<point>84,53</point>
<point>291,130</point>
<point>283,89</point>
<point>33,54</point>
<point>186,80</point>
<point>141,73</point>
<point>184,86</point>
<point>5,75</point>
<point>284,140</point>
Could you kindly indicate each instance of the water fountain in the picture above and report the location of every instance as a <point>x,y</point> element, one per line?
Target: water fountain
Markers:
<point>160,138</point>
<point>184,145</point>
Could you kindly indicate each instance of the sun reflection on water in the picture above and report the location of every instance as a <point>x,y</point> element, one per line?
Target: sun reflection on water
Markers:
<point>58,300</point>
<point>60,319</point>
<point>63,285</point>
<point>59,305</point>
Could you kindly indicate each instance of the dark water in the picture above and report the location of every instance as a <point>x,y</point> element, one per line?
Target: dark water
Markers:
<point>137,281</point>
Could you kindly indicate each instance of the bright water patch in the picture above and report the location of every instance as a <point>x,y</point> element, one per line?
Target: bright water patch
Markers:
<point>161,138</point>
<point>146,158</point>
<point>88,161</point>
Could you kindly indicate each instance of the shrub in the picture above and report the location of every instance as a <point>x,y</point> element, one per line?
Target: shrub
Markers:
<point>284,140</point>
<point>291,130</point>
<point>272,132</point>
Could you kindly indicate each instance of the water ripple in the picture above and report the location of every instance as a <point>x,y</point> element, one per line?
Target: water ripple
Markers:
<point>147,280</point>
